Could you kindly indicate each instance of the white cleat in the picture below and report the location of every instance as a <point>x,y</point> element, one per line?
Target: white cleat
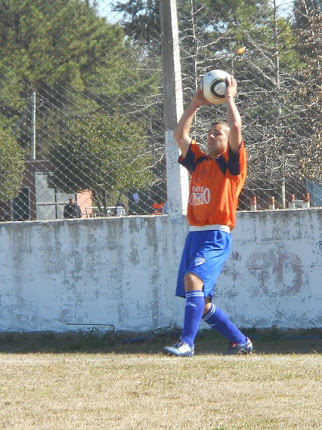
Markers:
<point>180,349</point>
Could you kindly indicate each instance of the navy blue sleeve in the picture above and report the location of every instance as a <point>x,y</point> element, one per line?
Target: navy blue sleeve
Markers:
<point>233,164</point>
<point>188,161</point>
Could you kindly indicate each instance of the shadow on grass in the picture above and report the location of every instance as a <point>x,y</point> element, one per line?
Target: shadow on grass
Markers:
<point>268,341</point>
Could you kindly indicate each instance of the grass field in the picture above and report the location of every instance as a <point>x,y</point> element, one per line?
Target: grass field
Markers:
<point>123,381</point>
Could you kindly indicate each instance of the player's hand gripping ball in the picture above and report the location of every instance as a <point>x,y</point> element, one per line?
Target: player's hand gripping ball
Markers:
<point>213,86</point>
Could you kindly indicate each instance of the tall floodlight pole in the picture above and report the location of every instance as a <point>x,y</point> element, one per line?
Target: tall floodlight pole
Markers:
<point>177,177</point>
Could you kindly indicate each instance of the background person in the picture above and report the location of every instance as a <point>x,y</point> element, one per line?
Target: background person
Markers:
<point>72,210</point>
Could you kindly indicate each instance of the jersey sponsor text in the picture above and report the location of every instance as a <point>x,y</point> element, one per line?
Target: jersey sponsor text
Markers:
<point>199,196</point>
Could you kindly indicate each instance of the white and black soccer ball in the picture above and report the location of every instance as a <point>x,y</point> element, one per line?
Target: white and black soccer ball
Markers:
<point>213,86</point>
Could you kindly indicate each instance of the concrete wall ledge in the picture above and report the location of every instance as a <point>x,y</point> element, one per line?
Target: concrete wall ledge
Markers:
<point>63,275</point>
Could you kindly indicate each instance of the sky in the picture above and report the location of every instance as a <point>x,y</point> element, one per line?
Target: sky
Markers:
<point>284,8</point>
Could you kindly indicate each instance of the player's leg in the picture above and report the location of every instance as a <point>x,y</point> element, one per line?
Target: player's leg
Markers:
<point>217,319</point>
<point>194,308</point>
<point>190,287</point>
<point>192,316</point>
<point>213,315</point>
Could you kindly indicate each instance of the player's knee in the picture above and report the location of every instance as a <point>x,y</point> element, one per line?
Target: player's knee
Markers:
<point>207,306</point>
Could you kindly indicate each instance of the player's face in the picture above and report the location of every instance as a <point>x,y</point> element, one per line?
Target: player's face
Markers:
<point>217,140</point>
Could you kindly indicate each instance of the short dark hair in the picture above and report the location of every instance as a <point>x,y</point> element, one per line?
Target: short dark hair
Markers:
<point>219,122</point>
<point>223,123</point>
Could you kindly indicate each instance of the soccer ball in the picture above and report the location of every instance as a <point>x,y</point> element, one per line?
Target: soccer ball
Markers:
<point>213,86</point>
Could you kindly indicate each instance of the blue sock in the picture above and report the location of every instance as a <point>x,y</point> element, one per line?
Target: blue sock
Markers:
<point>218,320</point>
<point>195,304</point>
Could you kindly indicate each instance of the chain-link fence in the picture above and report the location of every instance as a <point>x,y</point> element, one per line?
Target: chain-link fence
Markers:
<point>81,117</point>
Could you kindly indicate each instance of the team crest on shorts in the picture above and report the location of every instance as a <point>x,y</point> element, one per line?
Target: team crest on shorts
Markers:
<point>199,261</point>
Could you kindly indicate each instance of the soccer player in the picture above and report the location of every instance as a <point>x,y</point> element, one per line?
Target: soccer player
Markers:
<point>217,178</point>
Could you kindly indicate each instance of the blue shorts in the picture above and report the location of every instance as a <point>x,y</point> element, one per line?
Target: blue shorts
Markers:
<point>204,254</point>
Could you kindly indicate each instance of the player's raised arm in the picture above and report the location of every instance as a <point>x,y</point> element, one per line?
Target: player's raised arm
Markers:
<point>182,131</point>
<point>233,116</point>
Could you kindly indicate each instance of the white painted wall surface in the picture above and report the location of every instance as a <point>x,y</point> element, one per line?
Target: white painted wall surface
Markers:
<point>65,275</point>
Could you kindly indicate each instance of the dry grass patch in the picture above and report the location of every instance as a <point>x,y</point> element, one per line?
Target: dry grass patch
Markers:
<point>116,392</point>
<point>125,385</point>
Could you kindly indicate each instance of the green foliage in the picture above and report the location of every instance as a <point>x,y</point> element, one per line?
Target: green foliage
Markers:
<point>75,61</point>
<point>49,45</point>
<point>53,48</point>
<point>54,41</point>
<point>142,20</point>
<point>46,46</point>
<point>12,166</point>
<point>103,154</point>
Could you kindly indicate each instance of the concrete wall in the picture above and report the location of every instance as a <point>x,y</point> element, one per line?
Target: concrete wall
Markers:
<point>67,275</point>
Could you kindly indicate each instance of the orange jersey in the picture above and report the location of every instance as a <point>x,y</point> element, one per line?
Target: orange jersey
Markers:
<point>214,186</point>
